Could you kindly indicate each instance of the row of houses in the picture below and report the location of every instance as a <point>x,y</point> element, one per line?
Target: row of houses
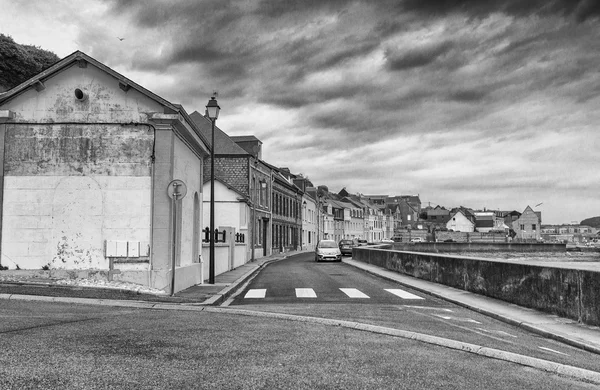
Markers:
<point>524,225</point>
<point>90,160</point>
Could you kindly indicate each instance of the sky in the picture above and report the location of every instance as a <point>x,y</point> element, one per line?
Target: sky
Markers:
<point>482,104</point>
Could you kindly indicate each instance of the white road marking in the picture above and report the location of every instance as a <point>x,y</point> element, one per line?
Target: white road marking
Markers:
<point>403,294</point>
<point>458,319</point>
<point>354,293</point>
<point>551,350</point>
<point>428,308</point>
<point>497,331</point>
<point>305,293</point>
<point>256,293</point>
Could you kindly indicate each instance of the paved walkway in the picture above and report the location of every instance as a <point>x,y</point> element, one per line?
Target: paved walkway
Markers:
<point>565,330</point>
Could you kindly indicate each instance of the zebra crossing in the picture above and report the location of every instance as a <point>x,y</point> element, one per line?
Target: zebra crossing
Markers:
<point>259,293</point>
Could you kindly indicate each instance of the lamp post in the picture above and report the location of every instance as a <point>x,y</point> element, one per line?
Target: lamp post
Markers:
<point>212,111</point>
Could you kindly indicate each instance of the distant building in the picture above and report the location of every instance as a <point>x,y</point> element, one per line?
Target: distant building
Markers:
<point>527,226</point>
<point>460,223</point>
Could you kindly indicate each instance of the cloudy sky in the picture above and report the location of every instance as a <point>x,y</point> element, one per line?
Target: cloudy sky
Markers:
<point>477,103</point>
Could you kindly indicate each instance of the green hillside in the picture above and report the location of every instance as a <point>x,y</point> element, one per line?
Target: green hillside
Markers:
<point>21,62</point>
<point>593,222</point>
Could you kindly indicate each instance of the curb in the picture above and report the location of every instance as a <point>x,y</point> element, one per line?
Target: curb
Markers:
<point>541,364</point>
<point>225,293</point>
<point>499,317</point>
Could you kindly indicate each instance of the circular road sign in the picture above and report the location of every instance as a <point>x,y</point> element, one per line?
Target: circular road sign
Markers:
<point>177,189</point>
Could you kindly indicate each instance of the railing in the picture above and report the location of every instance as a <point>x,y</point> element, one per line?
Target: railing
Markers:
<point>219,236</point>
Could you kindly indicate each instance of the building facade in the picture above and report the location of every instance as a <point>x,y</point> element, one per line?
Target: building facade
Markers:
<point>87,170</point>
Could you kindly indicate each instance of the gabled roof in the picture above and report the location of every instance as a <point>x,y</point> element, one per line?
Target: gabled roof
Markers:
<point>80,57</point>
<point>224,145</point>
<point>461,212</point>
<point>243,197</point>
<point>354,203</point>
<point>244,138</point>
<point>338,204</point>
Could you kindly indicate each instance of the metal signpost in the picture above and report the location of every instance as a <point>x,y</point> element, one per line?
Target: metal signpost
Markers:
<point>176,191</point>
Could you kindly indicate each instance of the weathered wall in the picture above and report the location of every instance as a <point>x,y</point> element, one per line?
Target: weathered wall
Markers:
<point>106,102</point>
<point>569,293</point>
<point>69,188</point>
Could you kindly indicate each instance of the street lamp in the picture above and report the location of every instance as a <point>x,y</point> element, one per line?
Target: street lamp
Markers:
<point>212,111</point>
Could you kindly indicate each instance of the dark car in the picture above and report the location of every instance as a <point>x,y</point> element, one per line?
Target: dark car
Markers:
<point>362,242</point>
<point>346,247</point>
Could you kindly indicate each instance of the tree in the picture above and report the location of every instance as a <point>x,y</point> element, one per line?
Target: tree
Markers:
<point>592,222</point>
<point>21,62</point>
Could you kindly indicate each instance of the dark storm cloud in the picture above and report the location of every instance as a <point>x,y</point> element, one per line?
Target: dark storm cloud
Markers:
<point>581,10</point>
<point>417,57</point>
<point>467,95</point>
<point>157,13</point>
<point>278,8</point>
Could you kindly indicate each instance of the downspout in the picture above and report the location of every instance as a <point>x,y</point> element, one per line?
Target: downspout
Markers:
<point>152,185</point>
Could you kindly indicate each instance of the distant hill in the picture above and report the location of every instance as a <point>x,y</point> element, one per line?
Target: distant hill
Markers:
<point>593,222</point>
<point>21,62</point>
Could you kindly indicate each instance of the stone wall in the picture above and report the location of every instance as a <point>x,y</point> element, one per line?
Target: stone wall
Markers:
<point>436,247</point>
<point>570,293</point>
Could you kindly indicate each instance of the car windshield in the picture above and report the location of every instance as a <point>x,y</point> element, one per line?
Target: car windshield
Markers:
<point>327,244</point>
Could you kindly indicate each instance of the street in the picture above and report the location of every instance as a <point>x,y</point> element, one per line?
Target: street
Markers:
<point>75,346</point>
<point>300,286</point>
<point>50,346</point>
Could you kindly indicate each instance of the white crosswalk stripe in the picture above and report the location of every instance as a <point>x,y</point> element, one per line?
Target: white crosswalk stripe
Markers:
<point>305,293</point>
<point>403,294</point>
<point>354,293</point>
<point>350,292</point>
<point>256,293</point>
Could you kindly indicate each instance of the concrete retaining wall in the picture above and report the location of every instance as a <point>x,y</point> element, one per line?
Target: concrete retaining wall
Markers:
<point>480,247</point>
<point>567,293</point>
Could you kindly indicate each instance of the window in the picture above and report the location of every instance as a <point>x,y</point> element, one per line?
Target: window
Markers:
<point>533,227</point>
<point>263,193</point>
<point>522,226</point>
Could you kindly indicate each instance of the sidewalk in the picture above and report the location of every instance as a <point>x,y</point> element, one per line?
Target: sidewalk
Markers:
<point>202,294</point>
<point>547,325</point>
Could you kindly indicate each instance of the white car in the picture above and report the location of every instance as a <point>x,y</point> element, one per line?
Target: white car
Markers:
<point>417,239</point>
<point>328,250</point>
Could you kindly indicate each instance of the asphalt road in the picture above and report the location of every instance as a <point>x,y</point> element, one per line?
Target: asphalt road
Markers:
<point>322,292</point>
<point>65,346</point>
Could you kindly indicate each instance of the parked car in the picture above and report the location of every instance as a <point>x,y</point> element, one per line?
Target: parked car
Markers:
<point>386,241</point>
<point>417,239</point>
<point>346,247</point>
<point>362,242</point>
<point>327,250</point>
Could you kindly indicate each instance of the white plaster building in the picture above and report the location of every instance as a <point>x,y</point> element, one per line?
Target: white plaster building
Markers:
<point>88,156</point>
<point>460,223</point>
